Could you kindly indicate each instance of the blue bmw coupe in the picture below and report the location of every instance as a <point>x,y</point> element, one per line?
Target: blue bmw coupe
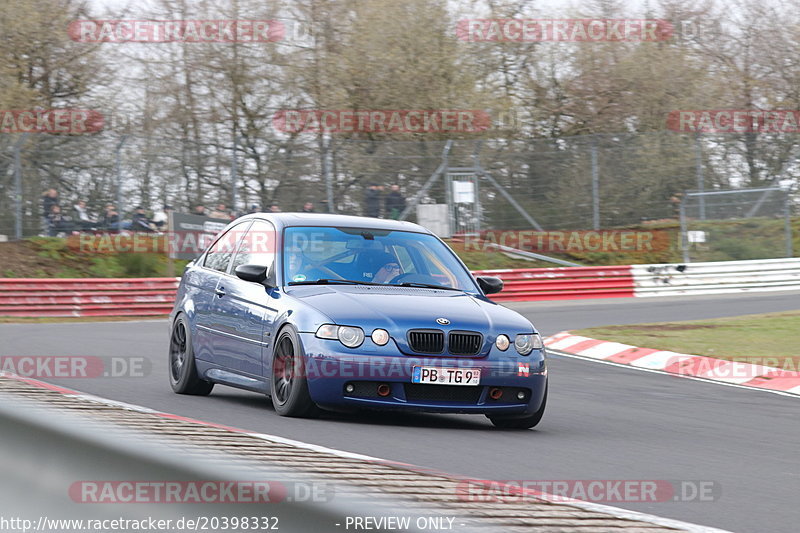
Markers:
<point>345,313</point>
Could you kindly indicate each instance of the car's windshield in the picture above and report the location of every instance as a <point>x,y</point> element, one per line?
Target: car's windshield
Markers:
<point>370,256</point>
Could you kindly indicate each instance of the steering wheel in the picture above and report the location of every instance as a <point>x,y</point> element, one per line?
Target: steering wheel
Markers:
<point>413,277</point>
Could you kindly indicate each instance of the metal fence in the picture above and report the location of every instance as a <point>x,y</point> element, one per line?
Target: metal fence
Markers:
<point>581,182</point>
<point>742,223</point>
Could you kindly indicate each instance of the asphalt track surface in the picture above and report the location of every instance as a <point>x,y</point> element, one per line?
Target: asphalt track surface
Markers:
<point>602,422</point>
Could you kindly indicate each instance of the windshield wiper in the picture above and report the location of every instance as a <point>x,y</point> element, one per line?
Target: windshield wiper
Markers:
<point>425,286</point>
<point>325,281</point>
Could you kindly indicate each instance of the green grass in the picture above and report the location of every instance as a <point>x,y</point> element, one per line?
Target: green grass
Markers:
<point>772,339</point>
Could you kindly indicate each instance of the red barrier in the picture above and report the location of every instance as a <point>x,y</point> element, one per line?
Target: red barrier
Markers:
<point>563,283</point>
<point>26,297</point>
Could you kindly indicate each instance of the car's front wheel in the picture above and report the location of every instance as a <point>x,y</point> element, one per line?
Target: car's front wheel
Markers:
<point>289,387</point>
<point>526,422</point>
<point>182,370</point>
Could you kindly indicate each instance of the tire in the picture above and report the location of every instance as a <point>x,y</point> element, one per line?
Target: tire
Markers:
<point>525,422</point>
<point>182,370</point>
<point>288,384</point>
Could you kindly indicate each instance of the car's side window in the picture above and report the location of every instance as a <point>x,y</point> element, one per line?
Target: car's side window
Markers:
<point>219,255</point>
<point>406,263</point>
<point>257,247</point>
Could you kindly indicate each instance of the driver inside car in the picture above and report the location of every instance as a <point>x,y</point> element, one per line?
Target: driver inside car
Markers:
<point>389,268</point>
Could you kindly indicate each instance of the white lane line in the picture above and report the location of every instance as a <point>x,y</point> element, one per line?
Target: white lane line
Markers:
<point>793,393</point>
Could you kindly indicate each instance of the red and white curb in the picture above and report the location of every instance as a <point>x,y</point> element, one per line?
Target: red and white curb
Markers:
<point>686,365</point>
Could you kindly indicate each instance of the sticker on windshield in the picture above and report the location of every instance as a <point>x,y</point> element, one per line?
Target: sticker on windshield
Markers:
<point>299,277</point>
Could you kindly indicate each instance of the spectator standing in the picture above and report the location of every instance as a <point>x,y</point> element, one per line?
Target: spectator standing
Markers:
<point>200,210</point>
<point>274,208</point>
<point>308,207</point>
<point>49,199</point>
<point>395,202</point>
<point>254,209</point>
<point>372,200</point>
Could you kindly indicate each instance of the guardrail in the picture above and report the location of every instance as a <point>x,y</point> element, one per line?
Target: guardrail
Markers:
<point>154,296</point>
<point>717,277</point>
<point>26,297</point>
<point>563,283</point>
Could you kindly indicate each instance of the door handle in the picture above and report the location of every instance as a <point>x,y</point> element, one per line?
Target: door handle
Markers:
<point>220,291</point>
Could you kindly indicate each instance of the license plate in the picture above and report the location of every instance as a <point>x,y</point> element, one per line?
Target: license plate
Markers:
<point>433,375</point>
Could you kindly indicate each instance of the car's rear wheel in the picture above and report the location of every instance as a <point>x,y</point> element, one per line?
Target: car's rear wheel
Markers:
<point>526,422</point>
<point>182,370</point>
<point>289,387</point>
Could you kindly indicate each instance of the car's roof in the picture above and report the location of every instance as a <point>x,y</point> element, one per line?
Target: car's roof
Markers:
<point>282,220</point>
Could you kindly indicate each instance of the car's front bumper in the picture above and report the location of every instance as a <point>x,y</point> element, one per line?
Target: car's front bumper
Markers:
<point>331,367</point>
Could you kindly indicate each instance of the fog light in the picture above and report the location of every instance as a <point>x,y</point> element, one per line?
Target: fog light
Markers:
<point>502,343</point>
<point>349,388</point>
<point>380,337</point>
<point>521,395</point>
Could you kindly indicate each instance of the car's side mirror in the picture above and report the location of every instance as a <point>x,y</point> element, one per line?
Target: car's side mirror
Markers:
<point>490,284</point>
<point>256,273</point>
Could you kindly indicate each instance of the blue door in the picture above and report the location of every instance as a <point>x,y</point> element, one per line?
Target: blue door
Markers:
<point>243,311</point>
<point>214,265</point>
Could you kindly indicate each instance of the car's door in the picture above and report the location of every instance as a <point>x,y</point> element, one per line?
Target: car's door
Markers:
<point>213,265</point>
<point>244,311</point>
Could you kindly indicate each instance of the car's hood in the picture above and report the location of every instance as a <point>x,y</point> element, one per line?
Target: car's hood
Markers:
<point>398,309</point>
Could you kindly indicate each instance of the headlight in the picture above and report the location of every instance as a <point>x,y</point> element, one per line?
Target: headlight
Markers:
<point>526,343</point>
<point>350,336</point>
<point>380,337</point>
<point>502,342</point>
